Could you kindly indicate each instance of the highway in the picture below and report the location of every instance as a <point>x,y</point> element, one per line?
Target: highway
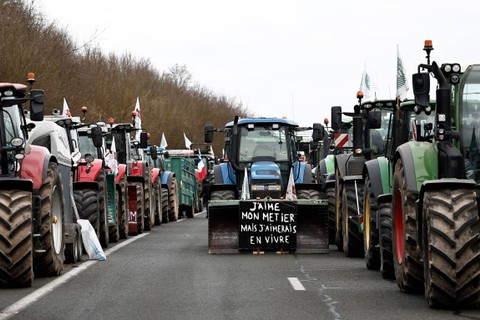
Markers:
<point>167,273</point>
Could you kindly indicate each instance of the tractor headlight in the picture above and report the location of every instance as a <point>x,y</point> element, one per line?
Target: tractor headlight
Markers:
<point>17,142</point>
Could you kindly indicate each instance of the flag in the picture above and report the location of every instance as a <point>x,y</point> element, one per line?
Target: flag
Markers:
<point>66,109</point>
<point>366,83</point>
<point>188,143</point>
<point>111,157</point>
<point>201,171</point>
<point>245,189</point>
<point>163,143</point>
<point>138,120</point>
<point>402,83</point>
<point>291,191</point>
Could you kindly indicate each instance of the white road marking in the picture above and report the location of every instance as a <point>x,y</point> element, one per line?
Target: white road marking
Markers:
<point>41,292</point>
<point>296,284</point>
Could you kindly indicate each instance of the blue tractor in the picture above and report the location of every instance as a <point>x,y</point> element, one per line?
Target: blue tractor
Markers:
<point>262,197</point>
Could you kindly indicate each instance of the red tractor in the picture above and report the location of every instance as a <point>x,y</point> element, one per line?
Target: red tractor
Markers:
<point>31,206</point>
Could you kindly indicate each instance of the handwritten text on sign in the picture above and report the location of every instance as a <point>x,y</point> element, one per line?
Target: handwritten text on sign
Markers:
<point>268,225</point>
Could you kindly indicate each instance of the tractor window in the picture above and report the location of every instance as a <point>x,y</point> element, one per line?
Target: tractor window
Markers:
<point>12,123</point>
<point>378,137</point>
<point>86,145</point>
<point>263,143</point>
<point>470,122</point>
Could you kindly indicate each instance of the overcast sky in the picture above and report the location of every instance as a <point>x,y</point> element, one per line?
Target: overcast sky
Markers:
<point>279,57</point>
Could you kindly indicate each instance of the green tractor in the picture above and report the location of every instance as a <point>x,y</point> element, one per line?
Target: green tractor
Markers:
<point>368,143</point>
<point>401,126</point>
<point>435,225</point>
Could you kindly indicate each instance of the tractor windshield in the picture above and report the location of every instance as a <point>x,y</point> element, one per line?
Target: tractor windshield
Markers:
<point>86,145</point>
<point>263,143</point>
<point>469,112</point>
<point>12,122</point>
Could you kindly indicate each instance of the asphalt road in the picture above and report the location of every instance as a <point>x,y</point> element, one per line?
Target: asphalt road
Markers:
<point>168,274</point>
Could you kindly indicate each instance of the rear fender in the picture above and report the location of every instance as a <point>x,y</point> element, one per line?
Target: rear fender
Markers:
<point>90,172</point>
<point>420,163</point>
<point>35,165</point>
<point>155,173</point>
<point>301,172</point>
<point>377,171</point>
<point>122,168</point>
<point>224,173</point>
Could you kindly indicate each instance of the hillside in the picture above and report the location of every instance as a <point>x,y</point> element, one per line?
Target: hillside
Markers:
<point>108,84</point>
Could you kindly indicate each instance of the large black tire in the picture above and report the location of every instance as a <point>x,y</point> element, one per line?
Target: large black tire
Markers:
<point>149,212</point>
<point>49,262</point>
<point>338,213</point>
<point>102,211</point>
<point>74,250</point>
<point>331,214</point>
<point>140,209</point>
<point>173,200</point>
<point>16,258</point>
<point>450,245</point>
<point>385,234</point>
<point>158,201</point>
<point>352,238</point>
<point>114,230</point>
<point>406,260</point>
<point>86,201</point>
<point>122,199</point>
<point>309,194</point>
<point>222,195</point>
<point>370,231</point>
<point>165,205</point>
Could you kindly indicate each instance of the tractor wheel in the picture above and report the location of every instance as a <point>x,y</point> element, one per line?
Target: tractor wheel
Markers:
<point>352,239</point>
<point>385,239</point>
<point>149,212</point>
<point>190,210</point>
<point>140,208</point>
<point>102,211</point>
<point>16,259</point>
<point>338,213</point>
<point>114,230</point>
<point>308,194</point>
<point>173,197</point>
<point>73,251</point>
<point>122,200</point>
<point>223,195</point>
<point>158,202</point>
<point>370,231</point>
<point>86,201</point>
<point>165,207</point>
<point>331,214</point>
<point>52,226</point>
<point>450,243</point>
<point>406,260</point>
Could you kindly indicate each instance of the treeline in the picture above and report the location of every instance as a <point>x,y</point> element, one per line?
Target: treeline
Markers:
<point>108,84</point>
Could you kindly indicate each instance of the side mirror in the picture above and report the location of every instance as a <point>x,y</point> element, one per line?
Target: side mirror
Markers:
<point>153,153</point>
<point>374,119</point>
<point>208,133</point>
<point>318,132</point>
<point>336,118</point>
<point>421,88</point>
<point>166,155</point>
<point>97,137</point>
<point>143,140</point>
<point>37,104</point>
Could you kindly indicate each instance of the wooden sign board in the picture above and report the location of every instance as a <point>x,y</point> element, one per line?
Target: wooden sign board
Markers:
<point>268,225</point>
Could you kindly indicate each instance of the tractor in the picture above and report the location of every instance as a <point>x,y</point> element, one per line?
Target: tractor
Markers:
<point>404,125</point>
<point>435,225</point>
<point>33,227</point>
<point>262,198</point>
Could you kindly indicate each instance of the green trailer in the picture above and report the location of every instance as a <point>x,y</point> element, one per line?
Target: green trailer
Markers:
<point>181,162</point>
